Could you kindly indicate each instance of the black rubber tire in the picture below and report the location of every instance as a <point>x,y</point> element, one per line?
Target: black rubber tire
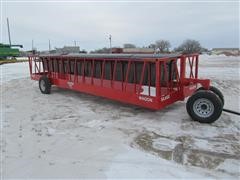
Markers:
<point>210,96</point>
<point>45,88</point>
<point>216,91</point>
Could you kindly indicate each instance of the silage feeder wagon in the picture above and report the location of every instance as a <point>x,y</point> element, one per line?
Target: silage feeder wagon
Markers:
<point>151,81</point>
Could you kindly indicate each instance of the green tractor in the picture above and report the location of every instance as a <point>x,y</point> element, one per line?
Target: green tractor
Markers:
<point>6,51</point>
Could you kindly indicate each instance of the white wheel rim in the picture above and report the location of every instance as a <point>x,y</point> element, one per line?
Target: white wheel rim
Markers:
<point>42,85</point>
<point>203,107</point>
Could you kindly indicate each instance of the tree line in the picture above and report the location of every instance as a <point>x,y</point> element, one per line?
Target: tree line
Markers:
<point>163,46</point>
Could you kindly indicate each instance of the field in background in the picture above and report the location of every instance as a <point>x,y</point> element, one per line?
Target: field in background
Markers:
<point>17,60</point>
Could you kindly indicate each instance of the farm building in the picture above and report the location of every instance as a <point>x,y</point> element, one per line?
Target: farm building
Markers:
<point>226,51</point>
<point>68,49</point>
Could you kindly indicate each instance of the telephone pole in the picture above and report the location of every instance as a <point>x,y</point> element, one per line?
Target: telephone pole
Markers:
<point>110,42</point>
<point>32,45</point>
<point>49,45</point>
<point>9,35</point>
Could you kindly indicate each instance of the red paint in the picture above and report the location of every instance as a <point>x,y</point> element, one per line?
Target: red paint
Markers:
<point>174,87</point>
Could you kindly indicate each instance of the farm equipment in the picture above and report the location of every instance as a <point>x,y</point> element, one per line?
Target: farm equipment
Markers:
<point>152,81</point>
<point>7,51</point>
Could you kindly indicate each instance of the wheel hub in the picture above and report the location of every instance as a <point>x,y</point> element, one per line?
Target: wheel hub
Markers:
<point>203,107</point>
<point>42,85</point>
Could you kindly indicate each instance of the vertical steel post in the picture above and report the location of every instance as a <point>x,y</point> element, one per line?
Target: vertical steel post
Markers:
<point>149,79</point>
<point>75,71</point>
<point>182,68</point>
<point>142,76</point>
<point>92,71</point>
<point>135,78</point>
<point>103,71</point>
<point>83,71</point>
<point>127,74</point>
<point>157,64</point>
<point>114,71</point>
<point>196,67</point>
<point>30,64</point>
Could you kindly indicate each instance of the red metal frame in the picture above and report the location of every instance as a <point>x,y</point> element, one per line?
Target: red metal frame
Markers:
<point>169,85</point>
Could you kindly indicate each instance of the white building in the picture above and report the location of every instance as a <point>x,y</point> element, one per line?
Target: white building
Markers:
<point>226,51</point>
<point>68,49</point>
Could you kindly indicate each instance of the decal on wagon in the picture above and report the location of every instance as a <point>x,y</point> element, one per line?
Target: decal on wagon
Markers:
<point>70,84</point>
<point>147,99</point>
<point>164,98</point>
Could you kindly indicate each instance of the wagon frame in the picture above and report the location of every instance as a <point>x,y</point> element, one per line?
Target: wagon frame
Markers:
<point>156,80</point>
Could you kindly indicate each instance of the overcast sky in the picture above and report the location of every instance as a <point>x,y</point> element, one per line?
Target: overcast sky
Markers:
<point>141,23</point>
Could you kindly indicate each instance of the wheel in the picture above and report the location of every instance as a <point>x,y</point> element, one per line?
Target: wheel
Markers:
<point>45,85</point>
<point>216,91</point>
<point>204,106</point>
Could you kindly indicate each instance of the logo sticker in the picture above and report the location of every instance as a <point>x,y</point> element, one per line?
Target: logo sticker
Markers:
<point>165,98</point>
<point>70,84</point>
<point>147,99</point>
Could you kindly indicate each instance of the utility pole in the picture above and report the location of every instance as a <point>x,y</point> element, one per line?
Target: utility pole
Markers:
<point>49,45</point>
<point>9,35</point>
<point>32,45</point>
<point>75,43</point>
<point>110,41</point>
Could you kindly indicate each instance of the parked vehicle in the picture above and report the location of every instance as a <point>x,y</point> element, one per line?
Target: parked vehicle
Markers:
<point>6,51</point>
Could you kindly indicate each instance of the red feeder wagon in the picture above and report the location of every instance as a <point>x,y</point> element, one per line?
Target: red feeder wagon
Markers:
<point>152,81</point>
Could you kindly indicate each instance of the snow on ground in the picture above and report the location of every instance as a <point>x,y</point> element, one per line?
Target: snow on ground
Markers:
<point>13,71</point>
<point>73,135</point>
<point>224,72</point>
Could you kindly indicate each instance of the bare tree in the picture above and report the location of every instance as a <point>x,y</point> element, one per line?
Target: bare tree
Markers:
<point>189,46</point>
<point>163,45</point>
<point>153,46</point>
<point>128,45</point>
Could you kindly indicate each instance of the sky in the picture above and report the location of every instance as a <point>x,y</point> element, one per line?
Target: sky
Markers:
<point>213,24</point>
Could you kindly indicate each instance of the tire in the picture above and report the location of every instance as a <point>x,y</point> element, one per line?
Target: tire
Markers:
<point>45,85</point>
<point>216,91</point>
<point>204,106</point>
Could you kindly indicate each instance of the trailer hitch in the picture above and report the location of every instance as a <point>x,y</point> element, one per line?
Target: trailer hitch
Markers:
<point>232,112</point>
